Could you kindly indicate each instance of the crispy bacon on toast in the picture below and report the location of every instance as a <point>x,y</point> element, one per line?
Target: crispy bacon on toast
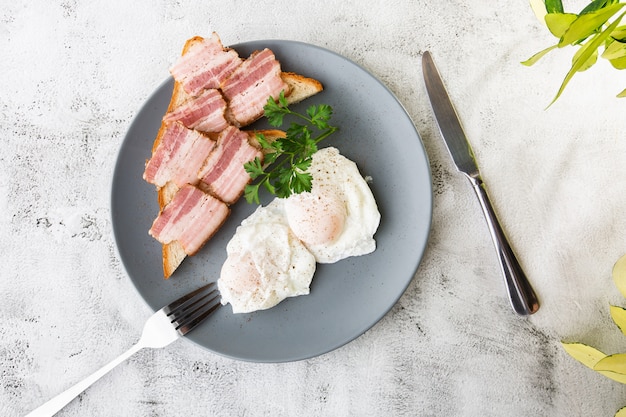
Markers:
<point>190,73</point>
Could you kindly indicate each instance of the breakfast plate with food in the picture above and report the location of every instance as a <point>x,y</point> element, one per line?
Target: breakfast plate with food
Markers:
<point>298,278</point>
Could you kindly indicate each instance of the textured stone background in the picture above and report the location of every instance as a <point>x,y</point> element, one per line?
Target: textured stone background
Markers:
<point>74,73</point>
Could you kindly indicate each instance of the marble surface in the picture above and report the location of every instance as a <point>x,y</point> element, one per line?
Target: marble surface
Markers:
<point>74,73</point>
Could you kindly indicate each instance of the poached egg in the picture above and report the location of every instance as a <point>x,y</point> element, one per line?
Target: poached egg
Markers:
<point>265,263</point>
<point>339,216</point>
<point>274,251</point>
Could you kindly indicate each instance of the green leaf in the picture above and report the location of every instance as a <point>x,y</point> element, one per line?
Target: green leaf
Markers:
<point>304,164</point>
<point>614,50</point>
<point>619,317</point>
<point>283,184</point>
<point>584,354</point>
<point>619,63</point>
<point>597,5</point>
<point>320,115</point>
<point>282,100</point>
<point>302,182</point>
<point>554,6</point>
<point>558,23</point>
<point>275,110</point>
<point>533,59</point>
<point>622,94</point>
<point>587,24</point>
<point>619,269</point>
<point>263,141</point>
<point>254,168</point>
<point>619,34</point>
<point>251,193</point>
<point>270,158</point>
<point>588,63</point>
<point>587,51</point>
<point>269,187</point>
<point>613,366</point>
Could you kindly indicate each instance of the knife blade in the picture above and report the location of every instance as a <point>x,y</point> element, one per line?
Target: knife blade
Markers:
<point>521,294</point>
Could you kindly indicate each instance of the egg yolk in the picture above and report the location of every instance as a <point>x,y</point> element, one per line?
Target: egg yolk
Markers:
<point>316,219</point>
<point>240,274</point>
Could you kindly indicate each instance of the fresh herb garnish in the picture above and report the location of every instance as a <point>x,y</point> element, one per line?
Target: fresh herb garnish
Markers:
<point>283,171</point>
<point>596,26</point>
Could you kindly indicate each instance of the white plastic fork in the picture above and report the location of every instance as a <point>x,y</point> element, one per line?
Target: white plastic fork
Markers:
<point>162,328</point>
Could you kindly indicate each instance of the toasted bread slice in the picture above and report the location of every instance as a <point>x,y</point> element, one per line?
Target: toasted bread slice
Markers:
<point>300,88</point>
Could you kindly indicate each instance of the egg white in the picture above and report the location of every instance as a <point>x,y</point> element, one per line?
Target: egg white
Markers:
<point>266,263</point>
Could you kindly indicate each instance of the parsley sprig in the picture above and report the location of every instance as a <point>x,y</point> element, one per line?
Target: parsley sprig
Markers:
<point>284,169</point>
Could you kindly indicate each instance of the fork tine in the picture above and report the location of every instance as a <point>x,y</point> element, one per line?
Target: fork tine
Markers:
<point>187,323</point>
<point>187,298</point>
<point>188,311</point>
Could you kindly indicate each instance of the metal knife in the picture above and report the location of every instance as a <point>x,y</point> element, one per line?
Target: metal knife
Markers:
<point>521,294</point>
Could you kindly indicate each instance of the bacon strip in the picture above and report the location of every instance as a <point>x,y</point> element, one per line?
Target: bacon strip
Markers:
<point>204,113</point>
<point>191,218</point>
<point>178,157</point>
<point>204,65</point>
<point>250,85</point>
<point>223,173</point>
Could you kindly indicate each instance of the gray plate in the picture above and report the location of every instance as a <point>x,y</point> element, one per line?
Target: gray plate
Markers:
<point>348,297</point>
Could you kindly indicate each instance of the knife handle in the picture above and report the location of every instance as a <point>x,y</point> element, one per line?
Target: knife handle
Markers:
<point>521,294</point>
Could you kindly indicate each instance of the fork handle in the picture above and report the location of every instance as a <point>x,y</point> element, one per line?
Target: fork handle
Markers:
<point>54,405</point>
